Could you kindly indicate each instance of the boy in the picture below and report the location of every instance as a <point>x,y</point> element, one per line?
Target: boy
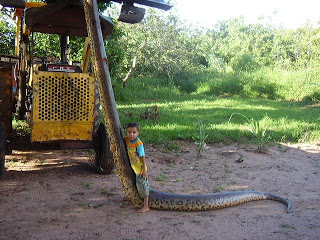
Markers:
<point>138,162</point>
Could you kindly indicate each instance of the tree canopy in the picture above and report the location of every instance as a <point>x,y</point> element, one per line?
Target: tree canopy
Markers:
<point>163,46</point>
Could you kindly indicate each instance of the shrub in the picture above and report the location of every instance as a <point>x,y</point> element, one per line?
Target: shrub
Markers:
<point>244,63</point>
<point>221,84</point>
<point>185,85</point>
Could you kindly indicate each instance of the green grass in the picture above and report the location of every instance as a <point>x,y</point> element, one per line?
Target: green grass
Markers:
<point>294,85</point>
<point>86,185</point>
<point>284,121</point>
<point>161,177</point>
<point>145,88</point>
<point>278,105</point>
<point>201,138</point>
<point>266,83</point>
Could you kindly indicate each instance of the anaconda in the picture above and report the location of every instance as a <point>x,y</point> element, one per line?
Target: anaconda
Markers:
<point>158,200</point>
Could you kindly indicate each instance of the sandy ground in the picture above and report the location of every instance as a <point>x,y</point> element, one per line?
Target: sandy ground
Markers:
<point>57,195</point>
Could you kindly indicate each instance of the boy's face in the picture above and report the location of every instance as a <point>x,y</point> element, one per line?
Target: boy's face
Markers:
<point>132,133</point>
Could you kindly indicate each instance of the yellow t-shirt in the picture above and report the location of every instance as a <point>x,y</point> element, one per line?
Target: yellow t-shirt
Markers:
<point>135,151</point>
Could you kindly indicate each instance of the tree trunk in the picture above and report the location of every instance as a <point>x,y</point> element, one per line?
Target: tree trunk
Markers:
<point>133,66</point>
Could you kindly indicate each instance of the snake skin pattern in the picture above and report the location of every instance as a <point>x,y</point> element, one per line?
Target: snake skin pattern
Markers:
<point>157,200</point>
<point>202,202</point>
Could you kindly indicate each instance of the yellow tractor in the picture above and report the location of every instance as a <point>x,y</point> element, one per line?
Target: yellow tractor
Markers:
<point>57,97</point>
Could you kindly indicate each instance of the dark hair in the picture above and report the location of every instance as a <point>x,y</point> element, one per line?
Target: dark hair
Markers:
<point>133,125</point>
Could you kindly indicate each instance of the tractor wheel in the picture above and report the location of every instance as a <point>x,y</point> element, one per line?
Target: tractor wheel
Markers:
<point>103,157</point>
<point>21,107</point>
<point>6,103</point>
<point>2,148</point>
<point>6,99</point>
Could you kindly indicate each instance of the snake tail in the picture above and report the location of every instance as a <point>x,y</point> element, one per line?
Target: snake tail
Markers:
<point>202,202</point>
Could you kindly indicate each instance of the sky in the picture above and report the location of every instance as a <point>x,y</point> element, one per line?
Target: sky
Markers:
<point>286,13</point>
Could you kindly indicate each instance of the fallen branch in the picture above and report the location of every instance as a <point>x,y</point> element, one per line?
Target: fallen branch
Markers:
<point>133,66</point>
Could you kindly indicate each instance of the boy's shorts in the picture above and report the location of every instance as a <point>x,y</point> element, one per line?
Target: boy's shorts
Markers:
<point>142,186</point>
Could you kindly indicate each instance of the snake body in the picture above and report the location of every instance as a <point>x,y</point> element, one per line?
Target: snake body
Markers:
<point>189,202</point>
<point>202,202</point>
<point>157,200</point>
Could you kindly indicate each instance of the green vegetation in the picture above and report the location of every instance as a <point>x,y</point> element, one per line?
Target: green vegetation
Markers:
<point>266,79</point>
<point>266,119</point>
<point>104,191</point>
<point>86,185</point>
<point>201,138</point>
<point>162,176</point>
<point>257,129</point>
<point>21,127</point>
<point>219,188</point>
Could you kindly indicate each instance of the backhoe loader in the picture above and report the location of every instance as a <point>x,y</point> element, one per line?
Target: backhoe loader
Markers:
<point>58,98</point>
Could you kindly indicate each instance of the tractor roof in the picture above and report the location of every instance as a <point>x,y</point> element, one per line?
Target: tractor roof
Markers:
<point>63,18</point>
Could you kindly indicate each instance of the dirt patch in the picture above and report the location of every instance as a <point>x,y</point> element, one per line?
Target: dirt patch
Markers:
<point>58,195</point>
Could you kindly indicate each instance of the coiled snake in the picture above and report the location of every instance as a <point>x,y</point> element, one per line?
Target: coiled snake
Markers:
<point>158,200</point>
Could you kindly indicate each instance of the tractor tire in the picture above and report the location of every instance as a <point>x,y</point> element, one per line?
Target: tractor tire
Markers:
<point>2,148</point>
<point>21,105</point>
<point>6,100</point>
<point>103,157</point>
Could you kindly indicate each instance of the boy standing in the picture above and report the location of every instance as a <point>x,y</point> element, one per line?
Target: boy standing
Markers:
<point>138,162</point>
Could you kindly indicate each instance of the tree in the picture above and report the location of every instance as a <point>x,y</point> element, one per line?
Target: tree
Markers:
<point>7,33</point>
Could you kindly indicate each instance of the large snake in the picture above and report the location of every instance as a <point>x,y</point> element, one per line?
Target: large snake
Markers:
<point>157,200</point>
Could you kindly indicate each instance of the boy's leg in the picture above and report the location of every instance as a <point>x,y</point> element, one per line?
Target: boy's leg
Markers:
<point>143,189</point>
<point>145,207</point>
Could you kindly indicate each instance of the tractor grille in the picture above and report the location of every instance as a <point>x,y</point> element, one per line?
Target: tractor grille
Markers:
<point>62,106</point>
<point>64,98</point>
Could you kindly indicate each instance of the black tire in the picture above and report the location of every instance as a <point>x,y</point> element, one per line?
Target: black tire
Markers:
<point>2,148</point>
<point>103,157</point>
<point>21,105</point>
<point>6,99</point>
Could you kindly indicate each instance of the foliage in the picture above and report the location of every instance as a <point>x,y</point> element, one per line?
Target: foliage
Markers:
<point>21,128</point>
<point>162,47</point>
<point>207,74</point>
<point>285,121</point>
<point>244,63</point>
<point>49,45</point>
<point>41,44</point>
<point>233,41</point>
<point>116,51</point>
<point>279,84</point>
<point>145,88</point>
<point>7,33</point>
<point>201,137</point>
<point>44,45</point>
<point>165,47</point>
<point>256,128</point>
<point>293,85</point>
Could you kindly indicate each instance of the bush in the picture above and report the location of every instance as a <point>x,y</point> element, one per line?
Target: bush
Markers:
<point>185,85</point>
<point>144,88</point>
<point>314,97</point>
<point>220,84</point>
<point>244,63</point>
<point>260,89</point>
<point>259,85</point>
